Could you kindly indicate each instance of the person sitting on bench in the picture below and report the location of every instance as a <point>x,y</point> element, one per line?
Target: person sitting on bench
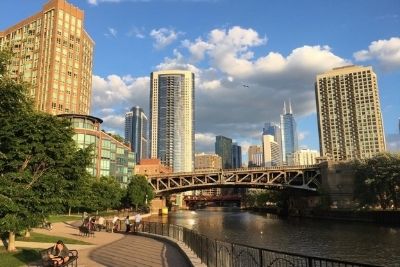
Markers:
<point>59,254</point>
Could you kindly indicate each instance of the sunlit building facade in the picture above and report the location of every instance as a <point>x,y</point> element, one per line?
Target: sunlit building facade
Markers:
<point>52,51</point>
<point>349,113</point>
<point>111,157</point>
<point>271,151</point>
<point>255,156</point>
<point>305,157</point>
<point>172,119</point>
<point>289,137</point>
<point>207,161</point>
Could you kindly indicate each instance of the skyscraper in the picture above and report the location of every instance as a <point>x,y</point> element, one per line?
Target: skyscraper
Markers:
<point>236,156</point>
<point>53,52</point>
<point>271,151</point>
<point>349,114</point>
<point>136,132</point>
<point>172,118</point>
<point>255,156</point>
<point>289,132</point>
<point>272,128</point>
<point>223,148</point>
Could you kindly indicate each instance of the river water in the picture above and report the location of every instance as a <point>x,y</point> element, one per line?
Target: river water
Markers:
<point>351,241</point>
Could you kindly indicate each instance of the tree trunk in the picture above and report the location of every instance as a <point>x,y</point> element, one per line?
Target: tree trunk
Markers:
<point>69,211</point>
<point>27,233</point>
<point>11,241</point>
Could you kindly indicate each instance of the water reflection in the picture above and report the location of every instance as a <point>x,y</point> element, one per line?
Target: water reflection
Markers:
<point>351,241</point>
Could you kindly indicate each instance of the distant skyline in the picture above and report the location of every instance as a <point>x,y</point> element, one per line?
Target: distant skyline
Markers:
<point>247,58</point>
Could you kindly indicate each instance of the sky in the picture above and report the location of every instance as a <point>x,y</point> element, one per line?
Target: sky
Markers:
<point>274,47</point>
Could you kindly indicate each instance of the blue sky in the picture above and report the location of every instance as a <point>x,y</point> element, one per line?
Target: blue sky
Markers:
<point>275,47</point>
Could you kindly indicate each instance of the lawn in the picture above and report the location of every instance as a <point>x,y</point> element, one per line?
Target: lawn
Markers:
<point>21,257</point>
<point>36,237</point>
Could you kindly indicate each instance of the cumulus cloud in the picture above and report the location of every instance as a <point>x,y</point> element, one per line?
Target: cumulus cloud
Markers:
<point>385,52</point>
<point>164,37</point>
<point>223,105</point>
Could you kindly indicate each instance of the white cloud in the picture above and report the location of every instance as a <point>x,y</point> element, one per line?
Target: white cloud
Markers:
<point>164,37</point>
<point>114,123</point>
<point>385,52</point>
<point>205,142</point>
<point>111,32</point>
<point>137,32</point>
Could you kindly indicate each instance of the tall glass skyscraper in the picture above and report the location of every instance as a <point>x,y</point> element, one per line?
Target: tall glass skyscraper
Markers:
<point>223,148</point>
<point>136,132</point>
<point>236,156</point>
<point>172,119</point>
<point>289,133</point>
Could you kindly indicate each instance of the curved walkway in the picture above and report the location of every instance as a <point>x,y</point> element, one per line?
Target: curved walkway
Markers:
<point>139,251</point>
<point>116,249</point>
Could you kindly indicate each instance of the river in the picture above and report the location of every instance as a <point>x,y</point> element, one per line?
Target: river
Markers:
<point>351,241</point>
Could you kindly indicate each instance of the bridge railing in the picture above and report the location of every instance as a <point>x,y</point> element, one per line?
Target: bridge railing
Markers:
<point>216,253</point>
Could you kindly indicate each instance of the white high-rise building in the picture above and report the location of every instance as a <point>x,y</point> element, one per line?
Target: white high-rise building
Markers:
<point>305,157</point>
<point>255,156</point>
<point>271,151</point>
<point>349,113</point>
<point>172,119</point>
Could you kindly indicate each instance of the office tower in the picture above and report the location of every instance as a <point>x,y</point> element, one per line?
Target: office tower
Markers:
<point>236,156</point>
<point>53,52</point>
<point>289,132</point>
<point>273,129</point>
<point>305,157</point>
<point>172,118</point>
<point>112,158</point>
<point>255,156</point>
<point>271,151</point>
<point>207,161</point>
<point>349,114</point>
<point>223,148</point>
<point>136,132</point>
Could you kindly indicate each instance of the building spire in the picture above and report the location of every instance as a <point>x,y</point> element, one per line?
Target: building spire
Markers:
<point>290,106</point>
<point>284,107</point>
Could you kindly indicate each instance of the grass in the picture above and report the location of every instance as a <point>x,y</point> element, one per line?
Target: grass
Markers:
<point>36,237</point>
<point>21,257</point>
<point>64,218</point>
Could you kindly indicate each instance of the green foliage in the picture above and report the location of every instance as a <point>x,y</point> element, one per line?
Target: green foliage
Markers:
<point>377,181</point>
<point>106,193</point>
<point>138,191</point>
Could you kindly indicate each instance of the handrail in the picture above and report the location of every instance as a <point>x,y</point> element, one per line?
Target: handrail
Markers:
<point>217,253</point>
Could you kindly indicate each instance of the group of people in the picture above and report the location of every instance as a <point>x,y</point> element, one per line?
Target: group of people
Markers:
<point>92,224</point>
<point>136,225</point>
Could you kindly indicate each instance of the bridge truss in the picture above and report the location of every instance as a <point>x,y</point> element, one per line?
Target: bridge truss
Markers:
<point>296,177</point>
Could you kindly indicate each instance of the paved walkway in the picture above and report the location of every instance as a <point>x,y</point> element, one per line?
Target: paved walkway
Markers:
<point>114,249</point>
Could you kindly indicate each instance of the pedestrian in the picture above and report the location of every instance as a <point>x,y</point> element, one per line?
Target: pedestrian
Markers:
<point>138,220</point>
<point>127,224</point>
<point>59,254</point>
<point>115,223</point>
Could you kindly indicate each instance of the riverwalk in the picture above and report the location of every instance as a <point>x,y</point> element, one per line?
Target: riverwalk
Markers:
<point>114,249</point>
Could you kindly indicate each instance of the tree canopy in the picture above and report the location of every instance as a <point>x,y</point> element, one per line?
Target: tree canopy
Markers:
<point>139,192</point>
<point>377,181</point>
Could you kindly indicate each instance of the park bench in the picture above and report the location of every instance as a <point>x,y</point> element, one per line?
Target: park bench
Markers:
<point>72,261</point>
<point>85,231</point>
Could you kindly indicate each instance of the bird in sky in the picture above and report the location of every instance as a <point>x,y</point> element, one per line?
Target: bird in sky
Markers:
<point>245,85</point>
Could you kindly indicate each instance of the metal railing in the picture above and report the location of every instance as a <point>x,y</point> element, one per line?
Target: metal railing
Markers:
<point>216,253</point>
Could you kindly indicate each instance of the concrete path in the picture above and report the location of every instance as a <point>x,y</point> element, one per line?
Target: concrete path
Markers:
<point>114,249</point>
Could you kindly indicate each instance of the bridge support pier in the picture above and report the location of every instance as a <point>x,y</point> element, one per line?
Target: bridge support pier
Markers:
<point>157,204</point>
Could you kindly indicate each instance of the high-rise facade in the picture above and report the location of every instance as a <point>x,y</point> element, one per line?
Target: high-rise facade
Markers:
<point>207,161</point>
<point>349,114</point>
<point>255,156</point>
<point>172,118</point>
<point>288,132</point>
<point>271,151</point>
<point>305,157</point>
<point>236,156</point>
<point>53,53</point>
<point>111,157</point>
<point>223,148</point>
<point>136,132</point>
<point>273,129</point>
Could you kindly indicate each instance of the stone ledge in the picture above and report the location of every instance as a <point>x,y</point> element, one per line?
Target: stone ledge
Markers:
<point>189,254</point>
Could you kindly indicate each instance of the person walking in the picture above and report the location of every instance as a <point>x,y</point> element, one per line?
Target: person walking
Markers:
<point>138,220</point>
<point>127,224</point>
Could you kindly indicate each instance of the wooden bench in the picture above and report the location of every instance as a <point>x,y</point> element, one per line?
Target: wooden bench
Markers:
<point>84,231</point>
<point>72,261</point>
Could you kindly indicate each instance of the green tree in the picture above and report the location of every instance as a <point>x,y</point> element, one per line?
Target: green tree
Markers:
<point>35,150</point>
<point>377,181</point>
<point>106,193</point>
<point>139,192</point>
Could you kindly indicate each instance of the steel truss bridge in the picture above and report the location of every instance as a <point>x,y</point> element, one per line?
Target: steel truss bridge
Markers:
<point>306,177</point>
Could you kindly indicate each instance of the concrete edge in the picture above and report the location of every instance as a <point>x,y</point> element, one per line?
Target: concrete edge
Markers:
<point>185,250</point>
